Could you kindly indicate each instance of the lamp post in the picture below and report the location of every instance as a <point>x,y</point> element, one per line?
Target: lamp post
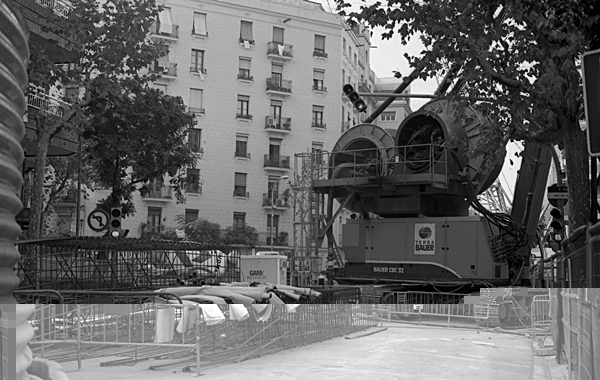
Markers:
<point>276,185</point>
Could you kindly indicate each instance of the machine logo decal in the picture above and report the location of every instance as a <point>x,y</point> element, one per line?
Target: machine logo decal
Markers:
<point>424,239</point>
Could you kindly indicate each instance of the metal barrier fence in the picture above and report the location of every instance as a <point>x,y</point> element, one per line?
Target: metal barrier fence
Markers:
<point>581,325</point>
<point>540,313</point>
<point>122,264</point>
<point>184,333</point>
<point>49,296</point>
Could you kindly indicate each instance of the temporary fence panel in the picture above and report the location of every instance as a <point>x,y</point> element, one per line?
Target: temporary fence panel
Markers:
<point>540,313</point>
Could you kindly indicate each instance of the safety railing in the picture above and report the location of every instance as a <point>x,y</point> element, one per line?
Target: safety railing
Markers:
<point>540,314</point>
<point>205,335</point>
<point>579,322</point>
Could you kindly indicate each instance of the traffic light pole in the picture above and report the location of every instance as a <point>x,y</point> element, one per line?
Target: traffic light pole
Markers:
<point>594,191</point>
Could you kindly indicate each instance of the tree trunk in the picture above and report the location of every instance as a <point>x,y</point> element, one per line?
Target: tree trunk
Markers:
<point>37,186</point>
<point>577,175</point>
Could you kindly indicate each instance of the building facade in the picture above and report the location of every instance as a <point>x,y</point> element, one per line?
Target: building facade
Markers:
<point>264,79</point>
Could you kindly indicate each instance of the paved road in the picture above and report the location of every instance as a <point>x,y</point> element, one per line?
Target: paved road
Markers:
<point>407,352</point>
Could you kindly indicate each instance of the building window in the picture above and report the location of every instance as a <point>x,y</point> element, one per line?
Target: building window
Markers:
<point>239,189</point>
<point>388,116</point>
<point>194,140</point>
<point>320,46</point>
<point>277,74</point>
<point>317,150</point>
<point>343,76</point>
<point>239,219</point>
<point>278,35</point>
<point>154,219</point>
<point>349,52</point>
<point>317,116</point>
<point>199,26</point>
<point>193,181</point>
<point>196,100</point>
<point>355,60</point>
<point>243,105</point>
<point>161,87</point>
<point>344,45</point>
<point>190,215</point>
<point>241,145</point>
<point>197,61</point>
<point>318,78</point>
<point>244,72</point>
<point>246,32</point>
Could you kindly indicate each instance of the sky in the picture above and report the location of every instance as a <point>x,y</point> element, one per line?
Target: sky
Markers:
<point>388,56</point>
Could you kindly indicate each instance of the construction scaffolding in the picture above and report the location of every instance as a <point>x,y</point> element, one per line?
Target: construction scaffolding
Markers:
<point>312,221</point>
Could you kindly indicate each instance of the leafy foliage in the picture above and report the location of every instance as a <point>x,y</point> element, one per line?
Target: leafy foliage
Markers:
<point>203,231</point>
<point>243,235</point>
<point>137,134</point>
<point>519,55</point>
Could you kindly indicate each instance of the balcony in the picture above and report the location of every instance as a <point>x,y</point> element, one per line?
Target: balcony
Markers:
<point>245,77</point>
<point>46,104</point>
<point>319,88</point>
<point>277,163</point>
<point>195,70</point>
<point>278,125</point>
<point>240,192</point>
<point>170,34</point>
<point>166,70</point>
<point>280,51</point>
<point>319,54</point>
<point>197,110</point>
<point>162,194</point>
<point>281,202</point>
<point>363,86</point>
<point>244,117</point>
<point>282,87</point>
<point>59,7</point>
<point>242,155</point>
<point>319,125</point>
<point>247,44</point>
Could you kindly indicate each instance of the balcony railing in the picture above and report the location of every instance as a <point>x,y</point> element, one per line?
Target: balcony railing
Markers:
<point>280,201</point>
<point>272,161</point>
<point>196,110</point>
<point>282,123</point>
<point>319,88</point>
<point>196,69</point>
<point>59,7</point>
<point>172,33</point>
<point>245,76</point>
<point>242,154</point>
<point>364,86</point>
<point>37,99</point>
<point>163,193</point>
<point>243,116</point>
<point>319,125</point>
<point>279,86</point>
<point>319,53</point>
<point>280,50</point>
<point>169,70</point>
<point>240,191</point>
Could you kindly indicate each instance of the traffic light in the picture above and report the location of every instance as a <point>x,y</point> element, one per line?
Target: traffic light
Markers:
<point>557,225</point>
<point>114,224</point>
<point>360,105</point>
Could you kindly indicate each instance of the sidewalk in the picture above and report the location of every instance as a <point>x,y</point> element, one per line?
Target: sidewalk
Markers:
<point>544,363</point>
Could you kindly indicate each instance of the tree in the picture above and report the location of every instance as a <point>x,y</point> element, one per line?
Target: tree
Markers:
<point>522,55</point>
<point>243,235</point>
<point>201,230</point>
<point>108,40</point>
<point>137,134</point>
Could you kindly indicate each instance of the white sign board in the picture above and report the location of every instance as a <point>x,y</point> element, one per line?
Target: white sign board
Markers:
<point>424,239</point>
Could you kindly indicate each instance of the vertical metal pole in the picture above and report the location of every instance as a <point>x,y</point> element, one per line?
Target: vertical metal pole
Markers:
<point>589,262</point>
<point>77,211</point>
<point>198,340</point>
<point>272,213</point>
<point>593,192</point>
<point>43,327</point>
<point>78,336</point>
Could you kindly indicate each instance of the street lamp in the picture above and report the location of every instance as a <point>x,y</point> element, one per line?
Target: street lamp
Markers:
<point>273,206</point>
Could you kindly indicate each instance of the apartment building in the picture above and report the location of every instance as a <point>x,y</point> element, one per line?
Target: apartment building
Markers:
<point>264,79</point>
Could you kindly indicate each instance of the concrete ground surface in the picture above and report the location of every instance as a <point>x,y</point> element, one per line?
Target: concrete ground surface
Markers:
<point>402,351</point>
